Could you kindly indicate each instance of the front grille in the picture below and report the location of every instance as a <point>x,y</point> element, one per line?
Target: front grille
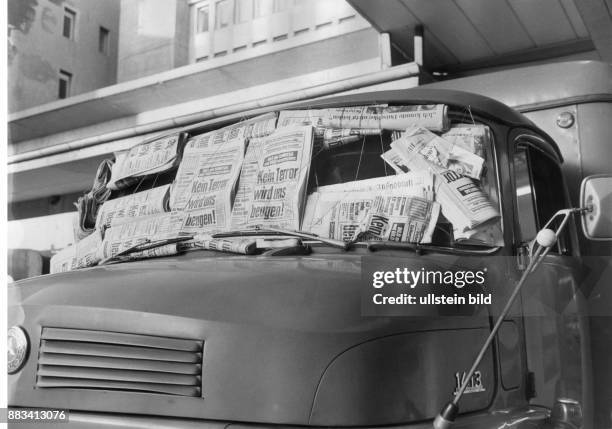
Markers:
<point>82,359</point>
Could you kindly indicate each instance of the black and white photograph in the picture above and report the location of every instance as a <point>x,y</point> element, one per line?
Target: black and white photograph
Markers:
<point>307,214</point>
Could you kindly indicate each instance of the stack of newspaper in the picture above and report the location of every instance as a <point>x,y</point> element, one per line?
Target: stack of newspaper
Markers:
<point>205,184</point>
<point>146,159</point>
<point>396,208</point>
<point>83,254</point>
<point>273,180</point>
<point>456,170</point>
<point>88,205</point>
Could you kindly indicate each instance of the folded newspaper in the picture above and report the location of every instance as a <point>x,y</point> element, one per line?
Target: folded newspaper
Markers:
<point>206,181</point>
<point>123,236</point>
<point>146,159</point>
<point>401,218</point>
<point>84,253</point>
<point>474,138</point>
<point>273,180</point>
<point>88,205</point>
<point>340,211</point>
<point>462,200</point>
<point>138,204</point>
<point>433,117</point>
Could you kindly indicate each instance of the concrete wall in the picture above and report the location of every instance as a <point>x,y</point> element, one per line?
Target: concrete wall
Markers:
<point>39,50</point>
<point>152,37</point>
<point>157,36</point>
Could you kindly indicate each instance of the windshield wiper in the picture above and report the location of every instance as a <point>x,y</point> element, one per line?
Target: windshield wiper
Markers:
<point>148,244</point>
<point>258,231</point>
<point>421,248</point>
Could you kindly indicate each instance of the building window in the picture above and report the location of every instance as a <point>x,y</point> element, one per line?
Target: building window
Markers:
<point>65,82</point>
<point>69,22</point>
<point>202,19</point>
<point>242,11</point>
<point>262,8</point>
<point>104,41</point>
<point>222,14</point>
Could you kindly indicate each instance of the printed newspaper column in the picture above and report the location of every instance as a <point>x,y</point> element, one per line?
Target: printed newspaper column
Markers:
<point>206,181</point>
<point>401,218</point>
<point>84,253</point>
<point>338,211</point>
<point>138,204</point>
<point>155,227</point>
<point>432,117</point>
<point>145,159</point>
<point>273,194</point>
<point>462,200</point>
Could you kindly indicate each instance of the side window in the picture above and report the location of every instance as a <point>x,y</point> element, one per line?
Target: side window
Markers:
<point>539,194</point>
<point>525,198</point>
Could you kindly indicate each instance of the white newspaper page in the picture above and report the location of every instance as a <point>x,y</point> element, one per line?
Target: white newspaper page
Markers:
<point>293,118</point>
<point>402,219</point>
<point>146,158</point>
<point>248,177</point>
<point>433,117</point>
<point>141,230</point>
<point>259,126</point>
<point>338,211</point>
<point>276,196</point>
<point>205,185</point>
<point>442,152</point>
<point>83,254</point>
<point>138,204</point>
<point>474,138</point>
<point>336,215</point>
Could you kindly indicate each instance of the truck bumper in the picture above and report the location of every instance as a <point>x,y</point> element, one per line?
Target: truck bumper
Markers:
<point>527,418</point>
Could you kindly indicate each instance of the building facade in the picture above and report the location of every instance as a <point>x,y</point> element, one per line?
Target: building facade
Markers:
<point>178,62</point>
<point>60,48</point>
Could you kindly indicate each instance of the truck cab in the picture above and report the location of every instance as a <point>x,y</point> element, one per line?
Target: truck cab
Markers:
<point>281,337</point>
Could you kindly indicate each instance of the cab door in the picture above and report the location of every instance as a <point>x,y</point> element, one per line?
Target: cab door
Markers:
<point>556,338</point>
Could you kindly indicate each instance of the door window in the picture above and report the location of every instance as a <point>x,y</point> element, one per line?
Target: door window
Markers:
<point>540,193</point>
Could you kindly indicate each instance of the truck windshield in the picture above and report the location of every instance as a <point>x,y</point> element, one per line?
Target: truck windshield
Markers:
<point>394,176</point>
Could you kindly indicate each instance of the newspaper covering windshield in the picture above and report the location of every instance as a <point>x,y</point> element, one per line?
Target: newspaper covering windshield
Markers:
<point>147,158</point>
<point>89,204</point>
<point>124,209</point>
<point>273,180</point>
<point>339,211</point>
<point>401,218</point>
<point>123,236</point>
<point>462,200</point>
<point>84,253</point>
<point>432,117</point>
<point>473,138</point>
<point>206,180</point>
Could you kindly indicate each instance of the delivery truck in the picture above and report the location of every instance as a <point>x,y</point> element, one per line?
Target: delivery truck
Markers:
<point>297,334</point>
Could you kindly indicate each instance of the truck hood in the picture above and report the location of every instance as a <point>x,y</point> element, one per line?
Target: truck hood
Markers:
<point>283,339</point>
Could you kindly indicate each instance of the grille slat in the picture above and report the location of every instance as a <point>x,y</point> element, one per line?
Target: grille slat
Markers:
<point>120,351</point>
<point>72,383</point>
<point>85,359</point>
<point>119,363</point>
<point>115,338</point>
<point>118,375</point>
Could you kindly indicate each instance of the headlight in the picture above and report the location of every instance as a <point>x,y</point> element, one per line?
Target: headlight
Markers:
<point>18,347</point>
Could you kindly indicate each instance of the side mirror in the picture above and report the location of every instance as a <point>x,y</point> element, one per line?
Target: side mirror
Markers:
<point>596,197</point>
